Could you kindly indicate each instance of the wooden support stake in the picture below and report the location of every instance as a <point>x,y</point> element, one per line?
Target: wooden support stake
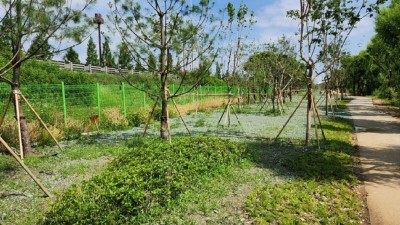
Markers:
<point>25,167</point>
<point>320,98</point>
<point>169,129</point>
<point>5,110</point>
<point>41,121</point>
<point>150,116</point>
<point>315,122</point>
<point>16,98</point>
<point>197,102</point>
<point>287,122</point>
<point>264,103</point>
<point>223,113</point>
<point>237,118</point>
<point>319,119</point>
<point>180,115</point>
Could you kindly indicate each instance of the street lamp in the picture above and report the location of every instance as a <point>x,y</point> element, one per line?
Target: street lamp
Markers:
<point>99,20</point>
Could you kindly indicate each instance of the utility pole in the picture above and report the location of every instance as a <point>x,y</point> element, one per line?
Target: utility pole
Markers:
<point>99,20</point>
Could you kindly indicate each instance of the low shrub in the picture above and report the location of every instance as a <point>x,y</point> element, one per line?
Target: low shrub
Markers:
<point>138,118</point>
<point>141,184</point>
<point>113,119</point>
<point>386,93</point>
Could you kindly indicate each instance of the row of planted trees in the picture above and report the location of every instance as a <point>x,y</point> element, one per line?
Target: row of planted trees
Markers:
<point>187,38</point>
<point>184,35</point>
<point>376,69</point>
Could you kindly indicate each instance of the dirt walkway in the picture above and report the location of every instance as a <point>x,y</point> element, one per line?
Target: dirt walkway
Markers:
<point>378,137</point>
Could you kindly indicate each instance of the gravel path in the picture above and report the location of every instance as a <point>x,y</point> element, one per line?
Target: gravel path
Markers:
<point>378,137</point>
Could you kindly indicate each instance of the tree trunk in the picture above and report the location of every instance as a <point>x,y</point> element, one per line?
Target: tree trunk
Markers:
<point>239,103</point>
<point>26,144</point>
<point>164,130</point>
<point>274,96</point>
<point>309,102</point>
<point>326,99</point>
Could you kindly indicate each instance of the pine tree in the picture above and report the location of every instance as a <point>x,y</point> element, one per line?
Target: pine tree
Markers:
<point>91,53</point>
<point>138,67</point>
<point>124,58</point>
<point>152,64</point>
<point>71,56</point>
<point>108,58</point>
<point>26,27</point>
<point>42,49</point>
<point>161,28</point>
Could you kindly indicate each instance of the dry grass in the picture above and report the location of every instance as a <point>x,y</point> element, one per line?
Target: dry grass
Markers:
<point>114,116</point>
<point>204,105</point>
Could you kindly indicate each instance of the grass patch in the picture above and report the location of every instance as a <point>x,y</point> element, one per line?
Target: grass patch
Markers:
<point>321,190</point>
<point>301,201</point>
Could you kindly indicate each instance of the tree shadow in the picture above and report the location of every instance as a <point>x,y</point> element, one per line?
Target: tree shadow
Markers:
<point>291,158</point>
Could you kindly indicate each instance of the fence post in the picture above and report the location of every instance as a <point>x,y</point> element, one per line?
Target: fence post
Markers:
<point>64,102</point>
<point>98,100</point>
<point>123,99</point>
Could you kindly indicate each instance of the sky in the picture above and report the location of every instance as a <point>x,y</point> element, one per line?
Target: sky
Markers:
<point>271,24</point>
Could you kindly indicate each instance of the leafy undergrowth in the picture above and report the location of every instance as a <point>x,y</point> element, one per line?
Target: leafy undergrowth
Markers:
<point>321,190</point>
<point>22,202</point>
<point>140,185</point>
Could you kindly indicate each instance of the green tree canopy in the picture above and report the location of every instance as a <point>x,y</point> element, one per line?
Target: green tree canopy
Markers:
<point>91,53</point>
<point>107,54</point>
<point>124,57</point>
<point>71,56</point>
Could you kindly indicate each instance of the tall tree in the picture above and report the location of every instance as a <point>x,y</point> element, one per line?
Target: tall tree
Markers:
<point>107,54</point>
<point>91,53</point>
<point>385,46</point>
<point>152,63</point>
<point>124,57</point>
<point>324,26</point>
<point>71,56</point>
<point>166,27</point>
<point>26,26</point>
<point>239,20</point>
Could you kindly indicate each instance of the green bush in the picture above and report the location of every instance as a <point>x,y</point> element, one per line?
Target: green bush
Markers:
<point>386,93</point>
<point>138,118</point>
<point>141,184</point>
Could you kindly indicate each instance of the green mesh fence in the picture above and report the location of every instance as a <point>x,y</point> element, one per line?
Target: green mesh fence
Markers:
<point>59,103</point>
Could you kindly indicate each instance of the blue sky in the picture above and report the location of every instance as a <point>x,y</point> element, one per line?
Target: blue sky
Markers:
<point>271,23</point>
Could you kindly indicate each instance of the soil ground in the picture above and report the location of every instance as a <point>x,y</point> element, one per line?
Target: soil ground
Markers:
<point>391,110</point>
<point>379,144</point>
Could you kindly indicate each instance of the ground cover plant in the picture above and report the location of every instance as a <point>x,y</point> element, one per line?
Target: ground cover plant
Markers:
<point>139,184</point>
<point>322,189</point>
<point>22,202</point>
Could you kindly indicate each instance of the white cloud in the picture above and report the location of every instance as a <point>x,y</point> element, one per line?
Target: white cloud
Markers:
<point>361,35</point>
<point>272,22</point>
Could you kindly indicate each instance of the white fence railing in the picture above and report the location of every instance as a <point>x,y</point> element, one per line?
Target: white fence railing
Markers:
<point>92,69</point>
